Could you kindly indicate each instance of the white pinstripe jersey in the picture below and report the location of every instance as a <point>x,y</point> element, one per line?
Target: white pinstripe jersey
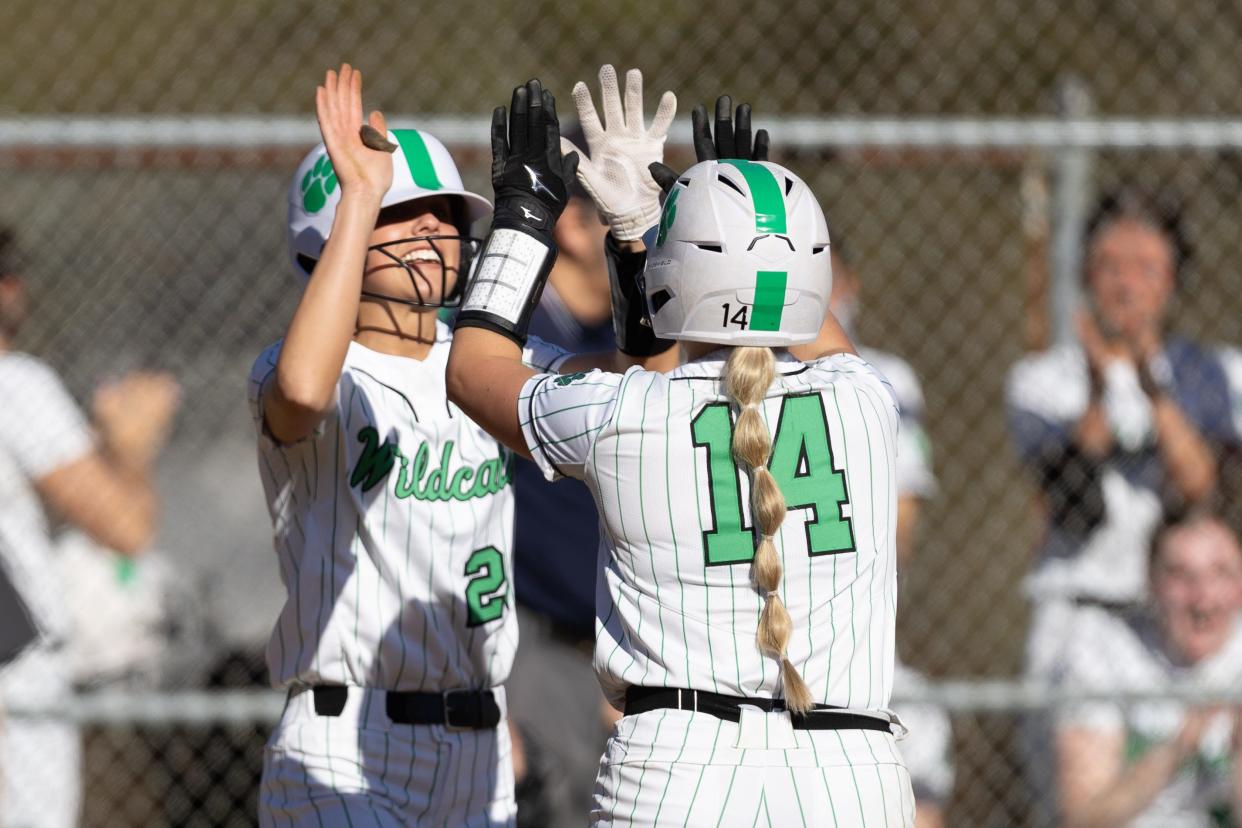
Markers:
<point>393,527</point>
<point>675,605</point>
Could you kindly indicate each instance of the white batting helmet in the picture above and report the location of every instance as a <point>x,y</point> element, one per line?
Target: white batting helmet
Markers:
<point>421,167</point>
<point>740,257</point>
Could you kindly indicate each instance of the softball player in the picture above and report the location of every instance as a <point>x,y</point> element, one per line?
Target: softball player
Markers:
<point>392,511</point>
<point>746,594</point>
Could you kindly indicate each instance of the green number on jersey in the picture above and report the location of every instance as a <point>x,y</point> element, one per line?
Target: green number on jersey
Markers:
<point>801,463</point>
<point>729,541</point>
<point>485,594</point>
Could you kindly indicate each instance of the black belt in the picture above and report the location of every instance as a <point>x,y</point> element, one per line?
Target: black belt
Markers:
<point>457,709</point>
<point>642,699</point>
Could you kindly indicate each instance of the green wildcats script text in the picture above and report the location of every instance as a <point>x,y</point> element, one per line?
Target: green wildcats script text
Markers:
<point>418,480</point>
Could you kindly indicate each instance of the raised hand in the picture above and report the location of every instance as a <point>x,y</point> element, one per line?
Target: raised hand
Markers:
<point>338,106</point>
<point>730,140</point>
<point>529,174</point>
<point>615,169</point>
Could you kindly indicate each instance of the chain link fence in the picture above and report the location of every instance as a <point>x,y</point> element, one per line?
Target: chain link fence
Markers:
<point>958,149</point>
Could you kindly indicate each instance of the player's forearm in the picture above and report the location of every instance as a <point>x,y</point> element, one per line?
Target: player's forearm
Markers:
<point>1186,455</point>
<point>484,378</point>
<point>318,337</point>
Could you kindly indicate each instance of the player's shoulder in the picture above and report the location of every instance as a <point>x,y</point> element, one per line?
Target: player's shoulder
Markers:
<point>849,369</point>
<point>900,375</point>
<point>1052,381</point>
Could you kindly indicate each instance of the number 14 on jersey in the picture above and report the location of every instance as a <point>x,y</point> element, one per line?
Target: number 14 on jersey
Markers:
<point>802,464</point>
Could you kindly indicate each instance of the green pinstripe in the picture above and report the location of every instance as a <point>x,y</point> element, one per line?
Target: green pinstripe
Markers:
<point>642,514</point>
<point>797,797</point>
<point>828,793</point>
<point>431,571</point>
<point>625,384</point>
<point>655,739</point>
<point>762,806</point>
<point>327,749</point>
<point>707,607</point>
<point>672,532</point>
<point>703,769</point>
<point>546,414</point>
<point>888,516</point>
<point>435,774</point>
<point>853,775</point>
<point>874,534</point>
<point>729,792</point>
<point>685,737</point>
<point>845,449</point>
<point>880,779</point>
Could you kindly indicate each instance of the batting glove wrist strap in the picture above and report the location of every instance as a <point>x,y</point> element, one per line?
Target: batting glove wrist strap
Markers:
<point>509,279</point>
<point>629,307</point>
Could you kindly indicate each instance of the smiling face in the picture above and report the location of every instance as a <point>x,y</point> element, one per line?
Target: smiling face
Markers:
<point>403,263</point>
<point>1196,581</point>
<point>1130,273</point>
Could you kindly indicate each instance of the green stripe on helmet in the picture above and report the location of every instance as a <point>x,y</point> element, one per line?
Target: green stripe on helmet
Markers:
<point>765,194</point>
<point>418,159</point>
<point>769,300</point>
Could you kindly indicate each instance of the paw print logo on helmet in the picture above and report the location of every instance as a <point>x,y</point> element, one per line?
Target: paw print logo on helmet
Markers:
<point>318,183</point>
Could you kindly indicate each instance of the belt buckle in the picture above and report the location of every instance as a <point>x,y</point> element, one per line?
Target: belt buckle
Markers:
<point>464,710</point>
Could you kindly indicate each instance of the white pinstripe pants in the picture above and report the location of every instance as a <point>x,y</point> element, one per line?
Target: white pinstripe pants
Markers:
<point>673,767</point>
<point>359,769</point>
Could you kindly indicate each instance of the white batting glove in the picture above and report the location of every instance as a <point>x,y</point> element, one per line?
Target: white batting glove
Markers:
<point>615,173</point>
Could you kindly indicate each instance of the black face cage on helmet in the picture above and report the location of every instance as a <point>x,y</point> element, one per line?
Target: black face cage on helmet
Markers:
<point>448,299</point>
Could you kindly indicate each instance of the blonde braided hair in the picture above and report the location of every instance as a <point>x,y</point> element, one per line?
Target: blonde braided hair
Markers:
<point>748,374</point>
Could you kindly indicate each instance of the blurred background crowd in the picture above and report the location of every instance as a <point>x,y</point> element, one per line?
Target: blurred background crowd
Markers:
<point>1059,316</point>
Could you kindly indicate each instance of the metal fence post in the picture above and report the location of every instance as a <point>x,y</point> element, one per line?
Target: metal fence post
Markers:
<point>1072,189</point>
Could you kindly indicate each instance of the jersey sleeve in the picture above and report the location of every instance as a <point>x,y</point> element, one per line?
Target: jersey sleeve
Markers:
<point>261,374</point>
<point>543,356</point>
<point>40,425</point>
<point>562,415</point>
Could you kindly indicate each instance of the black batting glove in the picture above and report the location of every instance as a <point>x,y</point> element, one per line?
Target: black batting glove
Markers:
<point>530,177</point>
<point>730,140</point>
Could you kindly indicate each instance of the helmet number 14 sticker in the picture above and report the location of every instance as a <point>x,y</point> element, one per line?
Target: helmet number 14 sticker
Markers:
<point>740,317</point>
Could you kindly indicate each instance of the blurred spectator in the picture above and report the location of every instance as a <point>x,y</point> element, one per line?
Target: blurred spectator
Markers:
<point>1118,428</point>
<point>554,696</point>
<point>1159,764</point>
<point>927,749</point>
<point>134,622</point>
<point>52,466</point>
<point>1231,359</point>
